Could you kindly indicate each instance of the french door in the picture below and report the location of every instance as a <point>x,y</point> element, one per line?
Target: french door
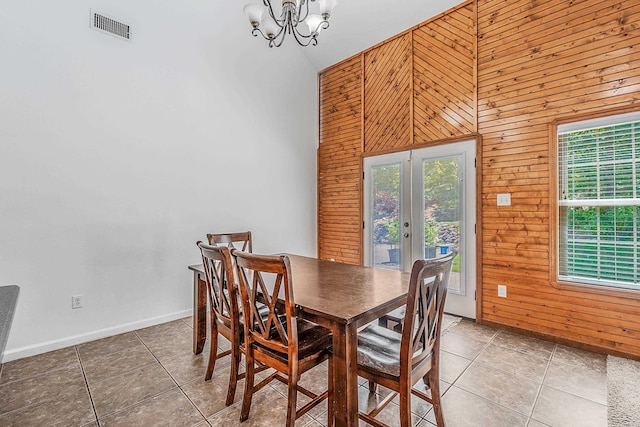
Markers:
<point>421,204</point>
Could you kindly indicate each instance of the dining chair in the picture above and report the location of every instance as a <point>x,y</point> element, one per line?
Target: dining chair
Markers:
<point>224,311</point>
<point>242,239</point>
<point>398,360</point>
<point>280,340</point>
<point>393,319</point>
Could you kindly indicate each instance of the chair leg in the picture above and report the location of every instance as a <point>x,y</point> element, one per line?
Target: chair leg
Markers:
<point>292,399</point>
<point>233,374</point>
<point>405,407</point>
<point>248,384</point>
<point>434,386</point>
<point>213,351</point>
<point>372,387</point>
<point>330,420</point>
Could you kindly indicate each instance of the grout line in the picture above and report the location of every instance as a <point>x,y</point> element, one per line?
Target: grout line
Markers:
<point>489,400</point>
<point>544,376</point>
<point>179,387</point>
<point>86,384</point>
<point>138,368</point>
<point>484,347</point>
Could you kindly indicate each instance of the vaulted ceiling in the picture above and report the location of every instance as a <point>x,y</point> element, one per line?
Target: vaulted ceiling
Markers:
<point>359,24</point>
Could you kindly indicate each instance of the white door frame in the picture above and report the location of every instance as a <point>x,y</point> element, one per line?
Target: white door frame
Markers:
<point>404,159</point>
<point>464,305</point>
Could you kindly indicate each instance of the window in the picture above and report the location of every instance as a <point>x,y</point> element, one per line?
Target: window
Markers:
<point>599,201</point>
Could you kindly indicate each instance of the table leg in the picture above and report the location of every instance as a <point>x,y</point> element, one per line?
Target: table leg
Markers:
<point>199,312</point>
<point>345,375</point>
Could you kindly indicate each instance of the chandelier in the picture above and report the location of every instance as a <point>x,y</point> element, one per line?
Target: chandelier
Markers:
<point>294,15</point>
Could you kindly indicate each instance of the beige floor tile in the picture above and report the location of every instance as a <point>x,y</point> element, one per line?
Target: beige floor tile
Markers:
<point>186,367</point>
<point>169,346</point>
<point>574,356</point>
<point>210,396</point>
<point>502,388</point>
<point>113,364</point>
<point>524,344</point>
<point>129,385</point>
<point>514,362</point>
<point>164,331</point>
<point>22,393</point>
<point>419,406</point>
<point>71,408</point>
<point>367,401</point>
<point>578,379</point>
<point>117,393</point>
<point>462,345</point>
<point>471,329</point>
<point>390,416</point>
<point>559,409</point>
<point>108,345</point>
<point>188,321</point>
<point>268,408</point>
<point>452,366</point>
<point>37,365</point>
<point>464,409</point>
<point>170,409</point>
<point>534,423</point>
<point>314,380</point>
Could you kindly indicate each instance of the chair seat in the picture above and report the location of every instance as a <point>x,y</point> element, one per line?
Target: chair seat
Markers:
<point>379,350</point>
<point>263,311</point>
<point>397,315</point>
<point>312,338</point>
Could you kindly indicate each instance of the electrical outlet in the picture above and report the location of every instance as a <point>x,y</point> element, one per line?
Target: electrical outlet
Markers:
<point>76,301</point>
<point>504,199</point>
<point>502,291</point>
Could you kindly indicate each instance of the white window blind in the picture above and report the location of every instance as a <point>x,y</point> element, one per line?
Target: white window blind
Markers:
<point>598,201</point>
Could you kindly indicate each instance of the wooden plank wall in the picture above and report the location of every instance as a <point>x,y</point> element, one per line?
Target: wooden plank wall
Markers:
<point>339,163</point>
<point>538,61</point>
<point>387,95</point>
<point>445,84</point>
<point>377,116</point>
<point>533,61</point>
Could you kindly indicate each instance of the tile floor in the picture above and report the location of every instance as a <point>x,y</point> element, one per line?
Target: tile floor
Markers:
<point>150,377</point>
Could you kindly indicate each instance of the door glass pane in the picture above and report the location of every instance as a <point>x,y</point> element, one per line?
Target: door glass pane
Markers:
<point>386,250</point>
<point>442,213</point>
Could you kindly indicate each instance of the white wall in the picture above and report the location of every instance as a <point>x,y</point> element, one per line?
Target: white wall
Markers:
<point>116,157</point>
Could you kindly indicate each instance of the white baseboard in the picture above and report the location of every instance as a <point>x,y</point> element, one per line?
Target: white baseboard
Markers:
<point>32,350</point>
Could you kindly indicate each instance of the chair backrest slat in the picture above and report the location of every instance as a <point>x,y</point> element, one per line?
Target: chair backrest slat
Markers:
<point>425,305</point>
<point>223,292</point>
<point>262,280</point>
<point>242,239</point>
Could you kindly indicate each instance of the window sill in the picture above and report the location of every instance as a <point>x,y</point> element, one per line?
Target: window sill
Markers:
<point>596,289</point>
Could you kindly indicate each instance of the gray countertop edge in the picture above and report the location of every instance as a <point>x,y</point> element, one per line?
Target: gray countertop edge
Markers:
<point>8,302</point>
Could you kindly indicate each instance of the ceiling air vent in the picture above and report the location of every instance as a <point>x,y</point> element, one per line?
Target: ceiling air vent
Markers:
<point>109,25</point>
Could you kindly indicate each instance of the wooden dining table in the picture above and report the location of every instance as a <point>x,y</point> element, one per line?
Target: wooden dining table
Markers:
<point>338,296</point>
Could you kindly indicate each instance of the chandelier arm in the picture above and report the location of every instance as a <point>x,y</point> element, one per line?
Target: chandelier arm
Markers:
<point>321,26</point>
<point>267,4</point>
<point>257,31</point>
<point>274,42</point>
<point>292,16</point>
<point>301,38</point>
<point>303,4</point>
